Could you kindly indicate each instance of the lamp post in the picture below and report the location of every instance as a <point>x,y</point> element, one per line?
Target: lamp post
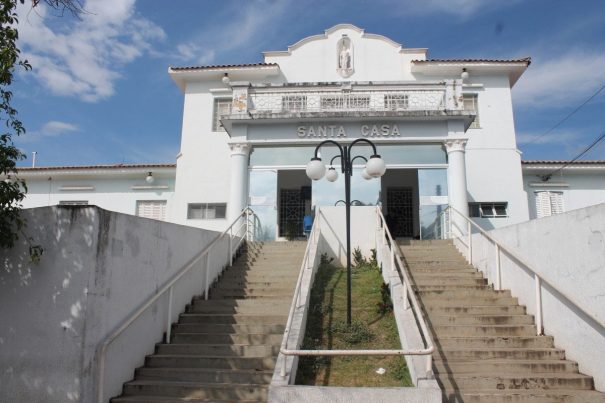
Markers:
<point>375,168</point>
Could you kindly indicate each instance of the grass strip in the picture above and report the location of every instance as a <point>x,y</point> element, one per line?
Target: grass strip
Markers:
<point>373,327</point>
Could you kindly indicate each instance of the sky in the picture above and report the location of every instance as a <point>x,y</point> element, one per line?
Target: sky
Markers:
<point>99,91</point>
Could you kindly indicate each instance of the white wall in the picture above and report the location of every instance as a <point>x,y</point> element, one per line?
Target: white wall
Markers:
<point>493,163</point>
<point>204,164</point>
<point>333,230</point>
<point>580,188</point>
<point>568,252</point>
<point>98,267</point>
<point>112,193</point>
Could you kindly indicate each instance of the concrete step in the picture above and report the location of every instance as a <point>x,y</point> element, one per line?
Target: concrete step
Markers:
<point>250,290</point>
<point>231,318</point>
<point>501,366</point>
<point>476,310</point>
<point>434,299</point>
<point>232,328</point>
<point>436,265</point>
<point>453,354</point>
<point>525,381</point>
<point>216,350</point>
<point>239,282</point>
<point>449,281</point>
<point>196,390</point>
<point>260,309</point>
<point>533,396</point>
<point>442,253</point>
<point>444,271</point>
<point>250,293</point>
<point>448,274</point>
<point>278,306</point>
<point>484,330</point>
<point>482,320</point>
<point>232,376</point>
<point>451,288</point>
<point>497,342</point>
<point>226,338</point>
<point>466,293</point>
<point>423,242</point>
<point>203,361</point>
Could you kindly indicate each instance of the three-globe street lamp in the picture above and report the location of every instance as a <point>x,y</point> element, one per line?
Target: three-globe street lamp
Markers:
<point>375,168</point>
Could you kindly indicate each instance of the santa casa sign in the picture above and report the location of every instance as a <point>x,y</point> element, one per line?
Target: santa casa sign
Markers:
<point>373,130</point>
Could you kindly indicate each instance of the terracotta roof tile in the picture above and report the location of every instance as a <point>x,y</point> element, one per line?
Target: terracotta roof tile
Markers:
<point>91,167</point>
<point>223,66</point>
<point>522,60</point>
<point>563,162</point>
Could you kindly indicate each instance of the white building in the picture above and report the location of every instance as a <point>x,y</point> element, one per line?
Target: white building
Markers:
<point>444,127</point>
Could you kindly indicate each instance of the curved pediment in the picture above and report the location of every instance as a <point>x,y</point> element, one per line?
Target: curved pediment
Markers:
<point>345,52</point>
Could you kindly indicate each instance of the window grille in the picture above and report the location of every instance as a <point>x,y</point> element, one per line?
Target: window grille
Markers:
<point>396,102</point>
<point>155,209</point>
<point>471,104</point>
<point>348,101</point>
<point>206,211</point>
<point>222,107</point>
<point>488,210</point>
<point>294,102</point>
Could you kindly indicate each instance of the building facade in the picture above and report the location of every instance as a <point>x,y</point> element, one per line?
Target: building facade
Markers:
<point>445,129</point>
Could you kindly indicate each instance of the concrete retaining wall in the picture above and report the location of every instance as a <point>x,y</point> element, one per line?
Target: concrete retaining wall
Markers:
<point>567,251</point>
<point>97,268</point>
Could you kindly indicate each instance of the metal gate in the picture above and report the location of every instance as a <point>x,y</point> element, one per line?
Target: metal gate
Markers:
<point>400,211</point>
<point>291,212</point>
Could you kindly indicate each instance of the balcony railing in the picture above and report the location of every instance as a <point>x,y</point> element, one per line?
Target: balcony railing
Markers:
<point>337,101</point>
<point>317,99</point>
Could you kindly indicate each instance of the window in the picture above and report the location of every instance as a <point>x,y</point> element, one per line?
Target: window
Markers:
<point>345,102</point>
<point>222,107</point>
<point>470,104</point>
<point>206,211</point>
<point>548,203</point>
<point>155,209</point>
<point>294,102</point>
<point>73,203</point>
<point>396,102</point>
<point>491,209</point>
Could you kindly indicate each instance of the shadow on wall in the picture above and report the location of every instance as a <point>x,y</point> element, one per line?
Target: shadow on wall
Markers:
<point>97,268</point>
<point>42,306</point>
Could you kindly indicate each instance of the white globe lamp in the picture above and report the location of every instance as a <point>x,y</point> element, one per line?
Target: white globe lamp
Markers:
<point>315,169</point>
<point>376,166</point>
<point>365,175</point>
<point>149,179</point>
<point>332,175</point>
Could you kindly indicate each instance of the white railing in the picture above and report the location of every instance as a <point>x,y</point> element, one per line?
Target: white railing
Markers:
<point>245,231</point>
<point>449,229</point>
<point>339,100</point>
<point>408,293</point>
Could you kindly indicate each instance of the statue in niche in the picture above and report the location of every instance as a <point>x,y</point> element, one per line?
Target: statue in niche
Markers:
<point>345,57</point>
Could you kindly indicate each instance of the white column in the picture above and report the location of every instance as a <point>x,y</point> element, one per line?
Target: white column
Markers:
<point>238,194</point>
<point>456,177</point>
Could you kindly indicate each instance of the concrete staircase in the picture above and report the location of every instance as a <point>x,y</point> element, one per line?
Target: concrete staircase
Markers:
<point>224,349</point>
<point>487,348</point>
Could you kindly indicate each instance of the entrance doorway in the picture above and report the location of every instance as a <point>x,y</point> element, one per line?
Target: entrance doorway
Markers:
<point>294,202</point>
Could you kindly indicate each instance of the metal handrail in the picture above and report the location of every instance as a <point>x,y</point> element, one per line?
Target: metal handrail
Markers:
<point>427,351</point>
<point>501,248</point>
<point>169,284</point>
<point>408,291</point>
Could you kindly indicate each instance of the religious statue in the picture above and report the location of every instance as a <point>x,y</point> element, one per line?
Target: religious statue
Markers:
<point>345,57</point>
